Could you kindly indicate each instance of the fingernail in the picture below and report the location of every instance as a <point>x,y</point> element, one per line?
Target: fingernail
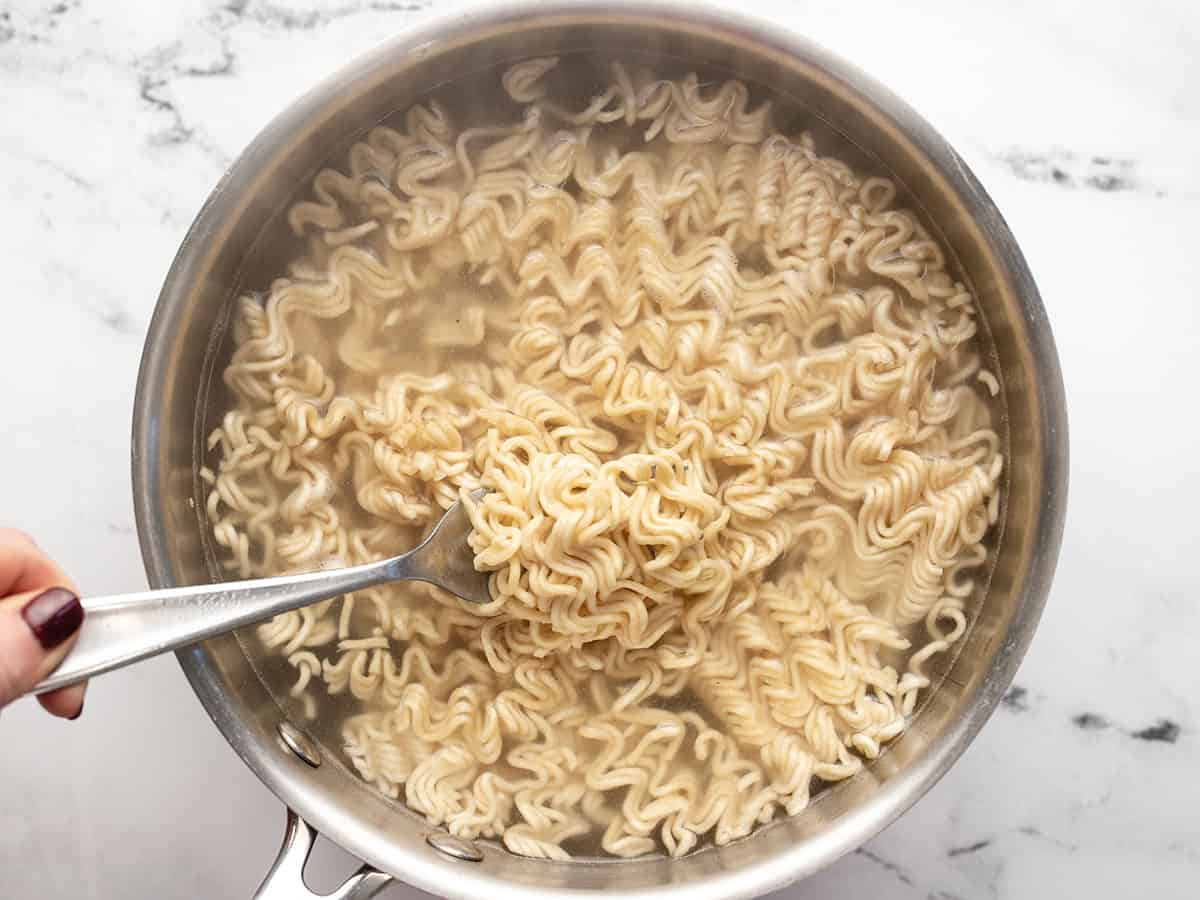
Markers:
<point>77,715</point>
<point>53,616</point>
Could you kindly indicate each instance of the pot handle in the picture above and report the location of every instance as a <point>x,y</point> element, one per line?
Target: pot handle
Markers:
<point>285,881</point>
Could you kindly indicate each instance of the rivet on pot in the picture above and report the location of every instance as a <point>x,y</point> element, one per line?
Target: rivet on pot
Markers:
<point>299,743</point>
<point>452,846</point>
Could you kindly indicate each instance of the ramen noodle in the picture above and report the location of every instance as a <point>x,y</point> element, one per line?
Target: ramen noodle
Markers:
<point>729,407</point>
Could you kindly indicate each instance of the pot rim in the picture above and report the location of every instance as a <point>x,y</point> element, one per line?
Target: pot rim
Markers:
<point>893,797</point>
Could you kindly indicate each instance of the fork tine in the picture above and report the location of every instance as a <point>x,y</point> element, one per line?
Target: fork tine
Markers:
<point>445,558</point>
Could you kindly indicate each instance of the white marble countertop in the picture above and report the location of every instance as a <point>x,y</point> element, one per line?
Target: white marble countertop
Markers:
<point>1083,121</point>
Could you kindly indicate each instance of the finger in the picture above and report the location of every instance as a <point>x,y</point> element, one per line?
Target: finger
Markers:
<point>23,567</point>
<point>37,628</point>
<point>17,535</point>
<point>66,703</point>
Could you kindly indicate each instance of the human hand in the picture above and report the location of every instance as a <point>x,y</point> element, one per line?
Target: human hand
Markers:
<point>40,615</point>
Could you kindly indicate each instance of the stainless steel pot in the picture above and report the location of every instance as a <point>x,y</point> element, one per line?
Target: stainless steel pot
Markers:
<point>219,257</point>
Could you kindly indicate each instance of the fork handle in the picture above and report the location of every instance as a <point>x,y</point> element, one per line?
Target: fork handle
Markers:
<point>125,628</point>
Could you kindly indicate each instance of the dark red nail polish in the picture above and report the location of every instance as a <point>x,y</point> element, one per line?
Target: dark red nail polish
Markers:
<point>53,616</point>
